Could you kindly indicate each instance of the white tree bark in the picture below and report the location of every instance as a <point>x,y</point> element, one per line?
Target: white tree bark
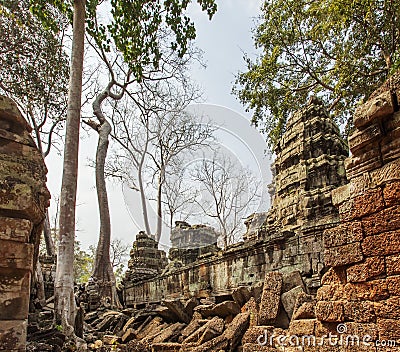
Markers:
<point>64,281</point>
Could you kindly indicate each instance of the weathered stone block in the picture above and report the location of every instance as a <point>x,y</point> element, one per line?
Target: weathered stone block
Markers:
<point>304,307</point>
<point>370,268</point>
<point>16,255</point>
<point>362,329</point>
<point>270,298</point>
<point>393,284</point>
<point>15,229</point>
<point>388,309</point>
<point>387,173</point>
<point>385,220</point>
<point>389,329</point>
<point>362,312</point>
<point>302,327</point>
<point>368,203</point>
<point>343,255</point>
<point>254,332</point>
<point>19,199</point>
<point>368,291</point>
<point>12,334</point>
<point>236,329</point>
<point>292,280</point>
<point>329,311</point>
<point>375,108</point>
<point>390,149</point>
<point>384,244</point>
<point>255,347</point>
<point>391,193</point>
<point>393,264</point>
<point>341,194</point>
<point>367,160</point>
<point>14,301</point>
<point>364,137</point>
<point>335,275</point>
<point>332,292</point>
<point>289,299</point>
<point>343,234</point>
<point>252,307</point>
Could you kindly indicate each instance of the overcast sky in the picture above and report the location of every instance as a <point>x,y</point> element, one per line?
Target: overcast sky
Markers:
<point>223,40</point>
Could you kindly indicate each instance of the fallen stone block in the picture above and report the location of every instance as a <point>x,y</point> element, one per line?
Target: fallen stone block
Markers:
<point>304,307</point>
<point>254,334</point>
<point>270,299</point>
<point>292,280</point>
<point>289,299</point>
<point>176,307</point>
<point>236,329</point>
<point>252,307</point>
<point>169,333</point>
<point>166,347</point>
<point>241,295</point>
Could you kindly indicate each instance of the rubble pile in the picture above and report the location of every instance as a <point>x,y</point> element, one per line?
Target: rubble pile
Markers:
<point>204,324</point>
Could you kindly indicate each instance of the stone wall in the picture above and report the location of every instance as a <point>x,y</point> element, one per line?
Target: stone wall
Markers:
<point>362,287</point>
<point>309,165</point>
<point>23,200</point>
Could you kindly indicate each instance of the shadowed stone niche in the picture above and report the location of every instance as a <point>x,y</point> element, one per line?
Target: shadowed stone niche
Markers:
<point>23,201</point>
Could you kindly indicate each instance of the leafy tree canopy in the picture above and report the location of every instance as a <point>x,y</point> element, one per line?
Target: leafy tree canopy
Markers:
<point>338,50</point>
<point>135,26</point>
<point>34,67</point>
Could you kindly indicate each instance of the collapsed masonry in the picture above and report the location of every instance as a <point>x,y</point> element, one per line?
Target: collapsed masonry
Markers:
<point>359,300</point>
<point>23,202</point>
<point>309,165</point>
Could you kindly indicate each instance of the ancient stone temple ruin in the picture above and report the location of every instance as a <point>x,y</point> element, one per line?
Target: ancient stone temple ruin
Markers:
<point>23,202</point>
<point>309,165</point>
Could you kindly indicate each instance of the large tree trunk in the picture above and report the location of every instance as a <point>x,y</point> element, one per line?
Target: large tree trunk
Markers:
<point>64,281</point>
<point>159,205</point>
<point>143,200</point>
<point>103,270</point>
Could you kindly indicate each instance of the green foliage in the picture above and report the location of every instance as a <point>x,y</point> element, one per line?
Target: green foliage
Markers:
<point>338,50</point>
<point>135,26</point>
<point>83,264</point>
<point>34,67</point>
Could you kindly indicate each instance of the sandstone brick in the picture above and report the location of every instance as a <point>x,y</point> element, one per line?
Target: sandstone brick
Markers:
<point>368,203</point>
<point>362,312</point>
<point>15,229</point>
<point>323,328</point>
<point>385,220</point>
<point>393,264</point>
<point>383,244</point>
<point>343,255</point>
<point>362,329</point>
<point>341,194</point>
<point>289,298</point>
<point>329,311</point>
<point>16,255</point>
<point>391,193</point>
<point>302,327</point>
<point>12,335</point>
<point>390,146</point>
<point>389,329</point>
<point>367,160</point>
<point>361,138</point>
<point>393,284</point>
<point>387,173</point>
<point>343,234</point>
<point>368,291</point>
<point>252,307</point>
<point>332,292</point>
<point>14,300</point>
<point>335,275</point>
<point>270,299</point>
<point>370,268</point>
<point>388,309</point>
<point>375,108</point>
<point>19,199</point>
<point>253,333</point>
